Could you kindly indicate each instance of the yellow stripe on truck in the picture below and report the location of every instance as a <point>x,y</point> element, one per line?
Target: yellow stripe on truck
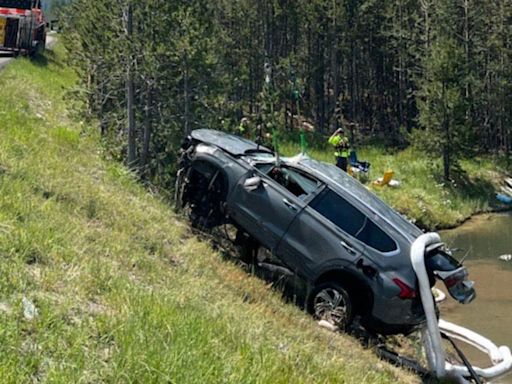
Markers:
<point>3,24</point>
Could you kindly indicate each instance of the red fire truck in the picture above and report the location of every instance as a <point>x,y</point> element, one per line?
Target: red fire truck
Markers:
<point>22,26</point>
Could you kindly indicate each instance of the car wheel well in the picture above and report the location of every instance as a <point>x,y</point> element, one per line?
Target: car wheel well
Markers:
<point>209,171</point>
<point>205,190</point>
<point>359,291</point>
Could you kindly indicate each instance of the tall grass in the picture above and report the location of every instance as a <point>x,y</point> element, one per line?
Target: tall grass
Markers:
<point>125,293</point>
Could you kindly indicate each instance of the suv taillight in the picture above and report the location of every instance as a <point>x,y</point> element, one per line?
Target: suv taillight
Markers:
<point>406,292</point>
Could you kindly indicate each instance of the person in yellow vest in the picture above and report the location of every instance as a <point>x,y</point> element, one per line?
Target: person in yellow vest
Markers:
<point>342,146</point>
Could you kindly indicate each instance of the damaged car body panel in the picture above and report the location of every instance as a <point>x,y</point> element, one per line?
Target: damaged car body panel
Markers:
<point>233,145</point>
<point>349,249</point>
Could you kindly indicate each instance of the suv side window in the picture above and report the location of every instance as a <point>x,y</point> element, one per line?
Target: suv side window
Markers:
<point>348,218</point>
<point>339,211</point>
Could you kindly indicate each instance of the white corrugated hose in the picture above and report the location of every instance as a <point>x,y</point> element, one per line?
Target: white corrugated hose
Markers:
<point>500,357</point>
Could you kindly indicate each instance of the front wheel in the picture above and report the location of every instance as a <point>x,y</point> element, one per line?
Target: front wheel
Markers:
<point>201,192</point>
<point>331,302</point>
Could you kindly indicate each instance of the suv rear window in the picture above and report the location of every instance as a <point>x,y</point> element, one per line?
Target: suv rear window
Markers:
<point>348,218</point>
<point>376,238</point>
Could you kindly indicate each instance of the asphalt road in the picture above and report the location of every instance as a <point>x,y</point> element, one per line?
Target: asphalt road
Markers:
<point>5,57</point>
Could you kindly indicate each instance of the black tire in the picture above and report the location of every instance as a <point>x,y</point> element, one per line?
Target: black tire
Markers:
<point>204,197</point>
<point>179,189</point>
<point>330,302</point>
<point>248,247</point>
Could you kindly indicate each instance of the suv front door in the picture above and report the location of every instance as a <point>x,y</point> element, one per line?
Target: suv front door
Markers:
<point>266,208</point>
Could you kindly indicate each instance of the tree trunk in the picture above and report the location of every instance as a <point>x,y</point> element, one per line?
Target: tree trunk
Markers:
<point>130,91</point>
<point>400,68</point>
<point>467,51</point>
<point>447,141</point>
<point>148,120</point>
<point>425,7</point>
<point>335,65</point>
<point>446,162</point>
<point>186,96</point>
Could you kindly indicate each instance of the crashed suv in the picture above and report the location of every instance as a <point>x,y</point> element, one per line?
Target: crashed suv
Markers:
<point>345,251</point>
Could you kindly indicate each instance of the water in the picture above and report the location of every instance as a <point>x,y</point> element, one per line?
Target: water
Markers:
<point>490,314</point>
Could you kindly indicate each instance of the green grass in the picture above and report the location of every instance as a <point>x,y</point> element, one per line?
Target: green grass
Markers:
<point>423,196</point>
<point>124,292</point>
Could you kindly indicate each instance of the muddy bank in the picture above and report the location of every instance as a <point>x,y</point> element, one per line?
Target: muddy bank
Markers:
<point>477,216</point>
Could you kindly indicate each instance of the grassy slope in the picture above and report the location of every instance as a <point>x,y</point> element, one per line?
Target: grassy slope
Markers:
<point>422,197</point>
<point>124,292</point>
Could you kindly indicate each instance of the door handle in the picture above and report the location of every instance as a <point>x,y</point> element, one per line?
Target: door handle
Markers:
<point>290,205</point>
<point>348,247</point>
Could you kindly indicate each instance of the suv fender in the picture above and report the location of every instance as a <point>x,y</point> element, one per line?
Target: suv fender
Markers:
<point>231,171</point>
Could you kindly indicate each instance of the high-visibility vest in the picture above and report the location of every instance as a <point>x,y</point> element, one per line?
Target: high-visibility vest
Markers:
<point>341,145</point>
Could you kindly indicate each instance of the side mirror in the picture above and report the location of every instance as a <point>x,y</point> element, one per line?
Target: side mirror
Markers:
<point>252,183</point>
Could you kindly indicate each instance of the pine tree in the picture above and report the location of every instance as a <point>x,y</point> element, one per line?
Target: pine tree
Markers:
<point>442,105</point>
<point>383,68</point>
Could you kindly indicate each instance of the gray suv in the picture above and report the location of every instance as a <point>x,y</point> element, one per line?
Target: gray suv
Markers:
<point>347,251</point>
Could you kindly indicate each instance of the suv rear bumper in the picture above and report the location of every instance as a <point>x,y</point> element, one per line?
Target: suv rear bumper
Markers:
<point>395,315</point>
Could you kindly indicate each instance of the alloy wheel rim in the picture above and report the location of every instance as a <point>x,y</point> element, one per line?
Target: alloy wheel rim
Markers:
<point>330,305</point>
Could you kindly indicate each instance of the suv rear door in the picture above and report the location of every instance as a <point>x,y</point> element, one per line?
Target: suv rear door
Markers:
<point>320,237</point>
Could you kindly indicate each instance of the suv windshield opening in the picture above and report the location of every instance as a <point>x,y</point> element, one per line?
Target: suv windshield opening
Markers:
<point>294,181</point>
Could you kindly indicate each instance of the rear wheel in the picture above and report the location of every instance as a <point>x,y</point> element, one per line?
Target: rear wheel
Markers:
<point>330,302</point>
